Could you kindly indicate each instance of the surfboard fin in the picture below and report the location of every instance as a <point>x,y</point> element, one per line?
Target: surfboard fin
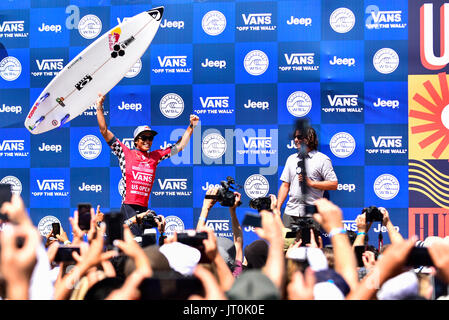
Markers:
<point>64,120</point>
<point>37,123</point>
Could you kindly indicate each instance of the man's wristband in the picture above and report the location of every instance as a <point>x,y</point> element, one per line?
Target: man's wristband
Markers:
<point>336,231</point>
<point>163,234</point>
<point>67,242</point>
<point>191,126</point>
<point>202,219</point>
<point>361,233</point>
<point>128,222</point>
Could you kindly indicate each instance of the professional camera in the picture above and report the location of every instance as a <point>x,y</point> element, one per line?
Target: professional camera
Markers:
<point>224,196</point>
<point>301,230</point>
<point>148,221</point>
<point>262,203</point>
<point>373,214</point>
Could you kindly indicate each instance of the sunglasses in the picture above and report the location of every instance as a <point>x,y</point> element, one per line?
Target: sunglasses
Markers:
<point>145,138</point>
<point>299,137</point>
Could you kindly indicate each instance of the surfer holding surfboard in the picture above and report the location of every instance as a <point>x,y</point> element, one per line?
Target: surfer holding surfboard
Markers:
<point>138,166</point>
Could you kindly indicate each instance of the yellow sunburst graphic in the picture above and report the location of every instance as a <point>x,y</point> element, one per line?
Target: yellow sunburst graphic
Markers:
<point>428,116</point>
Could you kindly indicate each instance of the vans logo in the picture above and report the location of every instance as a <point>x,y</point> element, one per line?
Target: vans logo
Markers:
<point>299,58</point>
<point>386,16</point>
<point>12,26</point>
<point>215,102</point>
<point>50,64</point>
<point>387,141</point>
<point>172,61</point>
<point>51,184</point>
<point>257,142</point>
<point>172,184</point>
<point>343,100</point>
<point>142,176</point>
<point>257,18</point>
<point>12,145</point>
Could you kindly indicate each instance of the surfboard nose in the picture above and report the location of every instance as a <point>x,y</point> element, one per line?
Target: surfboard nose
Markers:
<point>156,13</point>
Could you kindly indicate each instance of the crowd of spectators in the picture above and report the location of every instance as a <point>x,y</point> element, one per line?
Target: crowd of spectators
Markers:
<point>274,267</point>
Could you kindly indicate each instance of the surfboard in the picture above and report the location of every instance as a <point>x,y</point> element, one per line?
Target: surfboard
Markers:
<point>98,68</point>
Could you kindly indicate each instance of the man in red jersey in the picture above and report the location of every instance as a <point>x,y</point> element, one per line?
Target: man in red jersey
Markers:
<point>138,166</point>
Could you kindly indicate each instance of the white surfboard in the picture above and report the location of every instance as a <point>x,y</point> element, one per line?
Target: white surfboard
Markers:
<point>98,68</point>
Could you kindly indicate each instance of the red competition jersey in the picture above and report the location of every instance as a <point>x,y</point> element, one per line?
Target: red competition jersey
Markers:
<point>138,171</point>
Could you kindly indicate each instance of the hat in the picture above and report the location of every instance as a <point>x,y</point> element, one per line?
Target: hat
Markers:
<point>334,278</point>
<point>253,285</point>
<point>157,260</point>
<point>256,254</point>
<point>226,249</point>
<point>399,287</point>
<point>327,291</point>
<point>181,257</point>
<point>141,129</point>
<point>314,256</point>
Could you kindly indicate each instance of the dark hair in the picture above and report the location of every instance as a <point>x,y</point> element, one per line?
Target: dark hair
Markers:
<point>101,289</point>
<point>351,235</point>
<point>310,136</point>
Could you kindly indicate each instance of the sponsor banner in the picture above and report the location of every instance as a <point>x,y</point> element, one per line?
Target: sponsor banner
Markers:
<point>13,107</point>
<point>19,179</point>
<point>88,24</point>
<point>345,146</point>
<point>51,3</point>
<point>15,28</point>
<point>15,69</point>
<point>51,150</point>
<point>207,178</point>
<point>301,22</point>
<point>428,222</point>
<point>17,4</point>
<point>169,135</point>
<point>176,24</point>
<point>171,64</point>
<point>45,64</point>
<point>426,46</point>
<point>116,187</point>
<point>14,148</point>
<point>171,103</point>
<point>298,100</point>
<point>386,61</point>
<point>254,184</point>
<point>88,148</point>
<point>139,73</point>
<point>342,103</point>
<point>386,102</point>
<point>256,21</point>
<point>259,62</point>
<point>342,61</point>
<point>43,217</point>
<point>256,104</point>
<point>428,120</point>
<point>341,21</point>
<point>89,185</point>
<point>428,183</point>
<point>125,135</point>
<point>218,219</point>
<point>386,186</point>
<point>50,187</point>
<point>129,106</point>
<point>177,220</point>
<point>214,103</point>
<point>386,20</point>
<point>298,60</point>
<point>50,29</point>
<point>351,186</point>
<point>256,146</point>
<point>386,144</point>
<point>213,64</point>
<point>217,22</point>
<point>173,187</point>
<point>399,219</point>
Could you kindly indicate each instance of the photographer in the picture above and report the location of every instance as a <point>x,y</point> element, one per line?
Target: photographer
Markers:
<point>319,171</point>
<point>148,220</point>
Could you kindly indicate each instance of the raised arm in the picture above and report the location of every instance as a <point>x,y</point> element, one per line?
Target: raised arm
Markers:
<point>394,235</point>
<point>107,135</point>
<point>184,140</point>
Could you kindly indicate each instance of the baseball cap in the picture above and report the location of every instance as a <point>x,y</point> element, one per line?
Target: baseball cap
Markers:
<point>181,258</point>
<point>141,129</point>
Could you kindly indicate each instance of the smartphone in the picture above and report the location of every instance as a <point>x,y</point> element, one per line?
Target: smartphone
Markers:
<point>195,239</point>
<point>5,196</point>
<point>114,227</point>
<point>419,257</point>
<point>84,215</point>
<point>253,220</point>
<point>359,250</point>
<point>305,236</point>
<point>64,254</point>
<point>170,287</point>
<point>56,227</point>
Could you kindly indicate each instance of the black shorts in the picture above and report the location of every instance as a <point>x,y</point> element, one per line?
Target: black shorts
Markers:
<point>129,211</point>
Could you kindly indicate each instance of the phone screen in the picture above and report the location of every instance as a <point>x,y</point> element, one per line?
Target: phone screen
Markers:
<point>64,254</point>
<point>419,257</point>
<point>305,236</point>
<point>252,220</point>
<point>170,287</point>
<point>56,228</point>
<point>359,250</point>
<point>5,196</point>
<point>84,216</point>
<point>114,227</point>
<point>195,239</point>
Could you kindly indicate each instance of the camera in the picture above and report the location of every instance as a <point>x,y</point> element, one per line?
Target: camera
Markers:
<point>301,230</point>
<point>224,196</point>
<point>373,214</point>
<point>262,203</point>
<point>149,222</point>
